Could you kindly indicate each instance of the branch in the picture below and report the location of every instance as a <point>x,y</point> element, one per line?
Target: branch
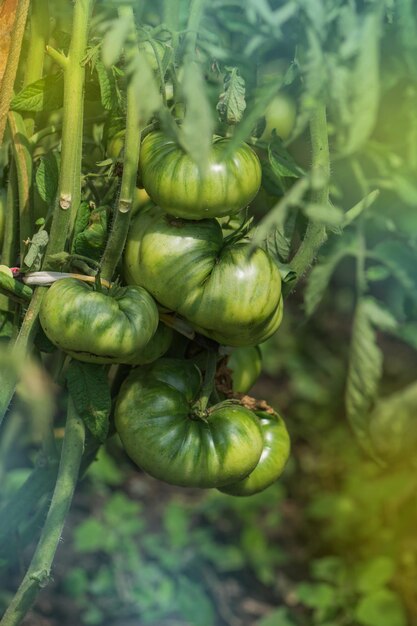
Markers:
<point>38,574</point>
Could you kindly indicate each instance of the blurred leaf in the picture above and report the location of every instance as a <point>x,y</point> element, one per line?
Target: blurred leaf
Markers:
<point>279,617</point>
<point>114,40</point>
<point>193,603</point>
<point>176,523</point>
<point>105,469</point>
<point>89,389</point>
<point>145,87</point>
<point>198,125</point>
<point>381,608</point>
<point>232,101</point>
<point>46,94</point>
<point>317,595</point>
<point>376,573</point>
<point>323,213</point>
<point>91,536</point>
<point>365,365</point>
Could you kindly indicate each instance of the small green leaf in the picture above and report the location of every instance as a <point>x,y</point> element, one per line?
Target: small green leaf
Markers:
<point>47,176</point>
<point>282,163</point>
<point>317,595</point>
<point>381,608</point>
<point>89,389</point>
<point>46,94</point>
<point>375,574</point>
<point>232,101</point>
<point>33,257</point>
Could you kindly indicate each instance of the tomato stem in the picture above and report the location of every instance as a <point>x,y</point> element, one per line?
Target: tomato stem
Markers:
<point>38,573</point>
<point>118,234</point>
<point>200,407</point>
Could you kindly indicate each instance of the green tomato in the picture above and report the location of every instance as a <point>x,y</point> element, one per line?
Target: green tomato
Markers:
<point>155,348</point>
<point>246,366</point>
<point>280,114</point>
<point>161,434</point>
<point>115,145</point>
<point>227,291</point>
<point>98,327</point>
<point>175,182</point>
<point>276,450</point>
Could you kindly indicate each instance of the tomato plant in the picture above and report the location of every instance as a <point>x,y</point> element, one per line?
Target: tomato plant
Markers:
<point>246,366</point>
<point>170,440</point>
<point>95,326</point>
<point>224,289</point>
<point>178,185</point>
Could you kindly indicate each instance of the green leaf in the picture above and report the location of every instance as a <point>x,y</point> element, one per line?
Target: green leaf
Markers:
<point>317,595</point>
<point>282,163</point>
<point>148,96</point>
<point>89,389</point>
<point>92,240</point>
<point>114,40</point>
<point>381,608</point>
<point>232,101</point>
<point>33,257</point>
<point>46,94</point>
<point>91,536</point>
<point>193,603</point>
<point>198,125</point>
<point>47,176</point>
<point>108,87</point>
<point>279,617</point>
<point>365,365</point>
<point>105,469</point>
<point>322,273</point>
<point>375,574</point>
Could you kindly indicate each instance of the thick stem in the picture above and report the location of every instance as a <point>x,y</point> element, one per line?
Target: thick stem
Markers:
<point>17,9</point>
<point>117,238</point>
<point>39,35</point>
<point>315,234</point>
<point>194,18</point>
<point>69,186</point>
<point>38,574</point>
<point>70,172</point>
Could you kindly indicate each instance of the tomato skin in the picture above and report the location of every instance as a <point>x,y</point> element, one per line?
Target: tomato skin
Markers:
<point>229,293</point>
<point>174,182</point>
<point>274,456</point>
<point>97,327</point>
<point>155,348</point>
<point>153,417</point>
<point>280,114</point>
<point>246,366</point>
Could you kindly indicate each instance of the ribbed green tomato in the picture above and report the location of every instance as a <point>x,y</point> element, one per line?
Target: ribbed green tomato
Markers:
<point>161,433</point>
<point>276,450</point>
<point>226,290</point>
<point>174,181</point>
<point>98,327</point>
<point>246,366</point>
<point>155,348</point>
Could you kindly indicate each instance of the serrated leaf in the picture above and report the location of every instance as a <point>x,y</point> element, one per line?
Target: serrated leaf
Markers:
<point>232,101</point>
<point>90,392</point>
<point>46,94</point>
<point>33,257</point>
<point>198,125</point>
<point>282,163</point>
<point>108,89</point>
<point>114,40</point>
<point>365,365</point>
<point>47,177</point>
<point>92,240</point>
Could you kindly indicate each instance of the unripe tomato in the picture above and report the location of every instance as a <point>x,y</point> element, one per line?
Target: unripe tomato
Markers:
<point>115,145</point>
<point>276,450</point>
<point>175,182</point>
<point>163,435</point>
<point>98,327</point>
<point>280,114</point>
<point>246,366</point>
<point>227,291</point>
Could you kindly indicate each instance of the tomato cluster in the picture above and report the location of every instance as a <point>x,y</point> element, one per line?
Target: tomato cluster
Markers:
<point>174,419</point>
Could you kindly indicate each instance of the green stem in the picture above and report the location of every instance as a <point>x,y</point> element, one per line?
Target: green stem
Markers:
<point>23,160</point>
<point>315,234</point>
<point>15,289</point>
<point>69,186</point>
<point>6,87</point>
<point>39,571</point>
<point>208,384</point>
<point>39,35</point>
<point>9,249</point>
<point>122,217</point>
<point>70,171</point>
<point>59,58</point>
<point>194,18</point>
